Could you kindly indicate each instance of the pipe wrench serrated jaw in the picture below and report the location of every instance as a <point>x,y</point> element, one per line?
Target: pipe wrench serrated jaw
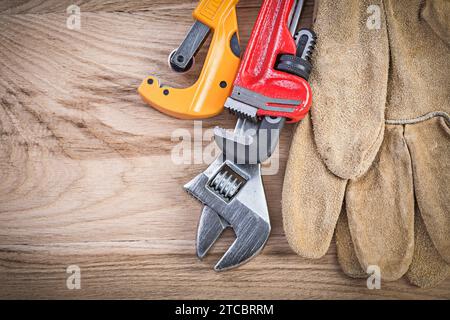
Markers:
<point>253,140</point>
<point>205,98</point>
<point>234,197</point>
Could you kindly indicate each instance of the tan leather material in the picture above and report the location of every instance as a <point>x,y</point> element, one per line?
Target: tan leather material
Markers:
<point>390,169</point>
<point>437,14</point>
<point>419,79</point>
<point>350,83</point>
<point>429,144</point>
<point>427,269</point>
<point>312,197</point>
<point>380,209</point>
<point>345,250</point>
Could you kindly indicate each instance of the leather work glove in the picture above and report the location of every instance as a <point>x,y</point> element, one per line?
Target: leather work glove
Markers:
<point>372,160</point>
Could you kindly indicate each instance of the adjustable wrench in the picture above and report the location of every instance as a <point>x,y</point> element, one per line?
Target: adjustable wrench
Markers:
<point>205,98</point>
<point>270,86</point>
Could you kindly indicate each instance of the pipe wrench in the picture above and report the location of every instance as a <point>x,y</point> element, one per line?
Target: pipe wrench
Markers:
<point>205,98</point>
<point>271,87</point>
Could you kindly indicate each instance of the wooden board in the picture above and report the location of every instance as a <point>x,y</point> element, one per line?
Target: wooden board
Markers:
<point>86,176</point>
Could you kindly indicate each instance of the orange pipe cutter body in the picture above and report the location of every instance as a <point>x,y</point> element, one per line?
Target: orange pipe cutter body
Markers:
<point>206,97</point>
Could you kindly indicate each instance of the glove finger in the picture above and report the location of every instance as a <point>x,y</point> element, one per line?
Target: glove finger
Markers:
<point>350,83</point>
<point>312,196</point>
<point>418,88</point>
<point>380,209</point>
<point>429,144</point>
<point>427,269</point>
<point>345,251</point>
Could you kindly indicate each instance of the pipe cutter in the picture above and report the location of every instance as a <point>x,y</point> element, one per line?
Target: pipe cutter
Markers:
<point>205,98</point>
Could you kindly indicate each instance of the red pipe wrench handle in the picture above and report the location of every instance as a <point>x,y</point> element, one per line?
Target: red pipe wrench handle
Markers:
<point>285,95</point>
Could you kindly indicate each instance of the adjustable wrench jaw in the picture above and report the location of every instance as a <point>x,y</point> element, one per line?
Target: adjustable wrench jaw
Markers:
<point>234,197</point>
<point>251,142</point>
<point>210,227</point>
<point>205,98</point>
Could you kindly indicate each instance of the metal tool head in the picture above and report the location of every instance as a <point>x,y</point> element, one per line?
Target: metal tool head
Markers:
<point>233,196</point>
<point>210,227</point>
<point>250,142</point>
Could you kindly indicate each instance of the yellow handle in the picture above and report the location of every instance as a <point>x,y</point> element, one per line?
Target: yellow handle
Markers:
<point>206,97</point>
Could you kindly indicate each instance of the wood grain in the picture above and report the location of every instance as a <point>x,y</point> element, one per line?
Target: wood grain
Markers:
<point>86,175</point>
